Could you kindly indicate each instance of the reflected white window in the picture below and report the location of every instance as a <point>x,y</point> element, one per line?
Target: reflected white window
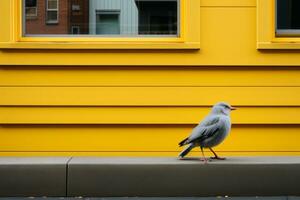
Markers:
<point>75,30</point>
<point>31,9</point>
<point>52,12</point>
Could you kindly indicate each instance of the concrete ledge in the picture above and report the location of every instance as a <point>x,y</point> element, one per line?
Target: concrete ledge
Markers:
<point>148,177</point>
<point>162,177</point>
<point>33,176</point>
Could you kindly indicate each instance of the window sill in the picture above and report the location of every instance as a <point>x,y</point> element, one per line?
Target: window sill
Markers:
<point>32,17</point>
<point>102,45</point>
<point>282,45</point>
<point>52,23</point>
<point>12,37</point>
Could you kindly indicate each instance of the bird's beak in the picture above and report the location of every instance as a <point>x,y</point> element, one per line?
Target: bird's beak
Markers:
<point>232,108</point>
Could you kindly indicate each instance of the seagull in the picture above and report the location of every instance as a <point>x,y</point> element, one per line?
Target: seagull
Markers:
<point>210,132</point>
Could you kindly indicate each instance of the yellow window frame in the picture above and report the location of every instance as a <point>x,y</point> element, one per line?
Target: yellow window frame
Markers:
<point>11,35</point>
<point>266,34</point>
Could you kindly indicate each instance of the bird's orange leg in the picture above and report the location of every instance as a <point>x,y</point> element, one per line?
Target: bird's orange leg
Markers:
<point>216,156</point>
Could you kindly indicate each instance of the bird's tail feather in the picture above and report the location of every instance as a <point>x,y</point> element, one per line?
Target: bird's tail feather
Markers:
<point>186,150</point>
<point>183,142</point>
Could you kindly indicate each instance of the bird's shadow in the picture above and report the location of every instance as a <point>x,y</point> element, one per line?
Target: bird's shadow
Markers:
<point>200,159</point>
<point>190,159</point>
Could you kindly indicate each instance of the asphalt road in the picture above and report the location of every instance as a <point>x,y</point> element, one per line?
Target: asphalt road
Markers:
<point>155,198</point>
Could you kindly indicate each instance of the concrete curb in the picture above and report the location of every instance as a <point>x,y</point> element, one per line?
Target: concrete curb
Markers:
<point>148,177</point>
<point>33,176</point>
<point>169,177</point>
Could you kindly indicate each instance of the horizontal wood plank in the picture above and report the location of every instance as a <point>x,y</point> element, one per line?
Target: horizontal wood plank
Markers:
<point>142,115</point>
<point>148,96</point>
<point>228,3</point>
<point>150,76</point>
<point>141,138</point>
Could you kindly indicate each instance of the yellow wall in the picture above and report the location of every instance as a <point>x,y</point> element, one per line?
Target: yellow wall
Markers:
<point>143,102</point>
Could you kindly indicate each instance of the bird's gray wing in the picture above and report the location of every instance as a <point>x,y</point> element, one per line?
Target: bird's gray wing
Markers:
<point>210,120</point>
<point>208,127</point>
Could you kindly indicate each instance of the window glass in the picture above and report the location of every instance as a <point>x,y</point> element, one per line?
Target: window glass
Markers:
<point>31,9</point>
<point>157,17</point>
<point>107,23</point>
<point>52,11</point>
<point>119,18</point>
<point>75,29</point>
<point>288,17</point>
<point>52,17</point>
<point>30,3</point>
<point>52,4</point>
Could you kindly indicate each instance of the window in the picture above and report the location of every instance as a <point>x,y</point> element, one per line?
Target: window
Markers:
<point>52,12</point>
<point>288,18</point>
<point>75,30</point>
<point>75,7</point>
<point>108,23</point>
<point>102,24</point>
<point>31,9</point>
<point>278,24</point>
<point>125,18</point>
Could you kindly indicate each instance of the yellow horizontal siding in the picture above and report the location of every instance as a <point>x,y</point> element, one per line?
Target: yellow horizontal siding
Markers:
<point>227,3</point>
<point>145,96</point>
<point>141,139</point>
<point>144,111</point>
<point>143,102</point>
<point>149,76</point>
<point>194,153</point>
<point>142,115</point>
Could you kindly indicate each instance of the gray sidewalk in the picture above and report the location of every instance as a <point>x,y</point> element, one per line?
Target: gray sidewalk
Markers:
<point>149,177</point>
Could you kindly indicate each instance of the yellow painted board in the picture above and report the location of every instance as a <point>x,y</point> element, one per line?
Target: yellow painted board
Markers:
<point>228,3</point>
<point>5,35</point>
<point>194,154</point>
<point>142,115</point>
<point>278,45</point>
<point>96,46</point>
<point>141,138</point>
<point>145,96</point>
<point>149,76</point>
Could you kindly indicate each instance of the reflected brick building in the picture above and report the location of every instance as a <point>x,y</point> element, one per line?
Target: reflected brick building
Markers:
<point>57,16</point>
<point>79,16</point>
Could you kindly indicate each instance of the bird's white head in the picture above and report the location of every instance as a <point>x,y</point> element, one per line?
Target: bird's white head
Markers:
<point>222,108</point>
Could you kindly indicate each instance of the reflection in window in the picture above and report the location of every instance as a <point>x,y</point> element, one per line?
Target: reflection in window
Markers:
<point>31,8</point>
<point>79,16</point>
<point>108,23</point>
<point>75,30</point>
<point>52,11</point>
<point>288,17</point>
<point>103,17</point>
<point>157,17</point>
